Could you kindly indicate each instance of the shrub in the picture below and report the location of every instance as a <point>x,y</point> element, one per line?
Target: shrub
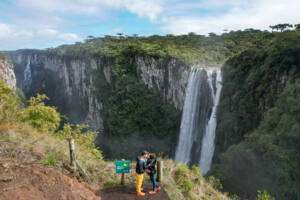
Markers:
<point>263,195</point>
<point>215,183</point>
<point>83,138</point>
<point>44,118</point>
<point>9,106</point>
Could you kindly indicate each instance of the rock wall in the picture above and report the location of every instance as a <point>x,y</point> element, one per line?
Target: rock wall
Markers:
<point>169,77</point>
<point>64,81</point>
<point>7,73</point>
<point>69,82</point>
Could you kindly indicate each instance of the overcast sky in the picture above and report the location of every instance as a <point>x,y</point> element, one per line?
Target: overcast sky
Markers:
<point>49,23</point>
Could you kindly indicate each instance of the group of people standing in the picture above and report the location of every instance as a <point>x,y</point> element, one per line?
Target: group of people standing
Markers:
<point>146,164</point>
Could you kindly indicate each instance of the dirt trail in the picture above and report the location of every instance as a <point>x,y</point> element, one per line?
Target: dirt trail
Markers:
<point>22,177</point>
<point>128,193</point>
<point>29,181</point>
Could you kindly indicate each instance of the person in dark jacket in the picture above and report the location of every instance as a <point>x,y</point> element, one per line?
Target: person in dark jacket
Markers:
<point>150,165</point>
<point>140,170</point>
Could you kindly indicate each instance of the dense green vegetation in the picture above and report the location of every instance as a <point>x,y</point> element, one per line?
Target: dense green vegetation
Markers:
<point>260,128</point>
<point>191,48</point>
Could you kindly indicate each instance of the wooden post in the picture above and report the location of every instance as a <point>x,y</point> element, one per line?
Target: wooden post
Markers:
<point>159,171</point>
<point>72,153</point>
<point>123,177</point>
<point>86,176</point>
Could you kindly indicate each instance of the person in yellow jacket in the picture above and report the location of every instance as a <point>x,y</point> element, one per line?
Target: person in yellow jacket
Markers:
<point>140,170</point>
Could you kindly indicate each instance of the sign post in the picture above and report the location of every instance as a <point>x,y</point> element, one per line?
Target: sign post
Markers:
<point>122,167</point>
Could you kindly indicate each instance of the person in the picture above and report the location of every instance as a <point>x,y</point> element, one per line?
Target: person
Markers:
<point>152,173</point>
<point>140,170</point>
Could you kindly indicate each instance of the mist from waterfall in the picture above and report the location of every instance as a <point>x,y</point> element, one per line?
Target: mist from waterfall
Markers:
<point>208,141</point>
<point>198,123</point>
<point>188,119</point>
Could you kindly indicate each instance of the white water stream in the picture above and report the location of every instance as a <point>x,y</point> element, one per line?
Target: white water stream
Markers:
<point>188,121</point>
<point>190,115</point>
<point>27,74</point>
<point>208,141</point>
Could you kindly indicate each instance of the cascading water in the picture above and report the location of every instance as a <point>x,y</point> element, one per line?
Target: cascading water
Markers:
<point>198,122</point>
<point>208,141</point>
<point>188,120</point>
<point>27,74</point>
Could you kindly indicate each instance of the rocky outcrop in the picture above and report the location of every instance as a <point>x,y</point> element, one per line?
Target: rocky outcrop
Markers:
<point>7,73</point>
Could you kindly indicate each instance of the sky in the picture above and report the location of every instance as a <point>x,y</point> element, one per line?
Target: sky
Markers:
<point>49,23</point>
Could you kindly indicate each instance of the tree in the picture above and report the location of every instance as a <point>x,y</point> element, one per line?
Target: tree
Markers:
<point>212,34</point>
<point>297,26</point>
<point>40,116</point>
<point>90,38</point>
<point>281,27</point>
<point>120,35</point>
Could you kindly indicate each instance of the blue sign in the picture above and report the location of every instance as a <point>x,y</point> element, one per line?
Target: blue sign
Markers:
<point>122,167</point>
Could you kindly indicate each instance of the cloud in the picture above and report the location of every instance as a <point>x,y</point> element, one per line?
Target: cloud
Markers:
<point>145,8</point>
<point>35,23</point>
<point>54,34</point>
<point>12,37</point>
<point>96,8</point>
<point>238,15</point>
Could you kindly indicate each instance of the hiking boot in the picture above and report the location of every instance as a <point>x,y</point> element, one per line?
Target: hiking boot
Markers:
<point>152,192</point>
<point>158,188</point>
<point>141,194</point>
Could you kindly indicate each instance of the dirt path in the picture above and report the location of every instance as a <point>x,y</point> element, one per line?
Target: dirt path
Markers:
<point>25,181</point>
<point>128,193</point>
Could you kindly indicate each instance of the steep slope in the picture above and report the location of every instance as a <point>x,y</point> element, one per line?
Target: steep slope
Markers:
<point>260,147</point>
<point>23,180</point>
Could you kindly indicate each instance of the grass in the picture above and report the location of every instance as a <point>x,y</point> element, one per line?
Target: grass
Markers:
<point>50,160</point>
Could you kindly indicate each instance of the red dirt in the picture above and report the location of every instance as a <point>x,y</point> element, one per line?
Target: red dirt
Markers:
<point>129,193</point>
<point>23,178</point>
<point>25,181</point>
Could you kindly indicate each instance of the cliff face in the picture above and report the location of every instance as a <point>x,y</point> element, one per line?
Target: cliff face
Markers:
<point>69,82</point>
<point>7,73</point>
<point>64,81</point>
<point>74,86</point>
<point>169,77</point>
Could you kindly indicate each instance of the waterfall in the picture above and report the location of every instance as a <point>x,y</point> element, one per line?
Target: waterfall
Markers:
<point>208,141</point>
<point>27,74</point>
<point>188,120</point>
<point>198,123</point>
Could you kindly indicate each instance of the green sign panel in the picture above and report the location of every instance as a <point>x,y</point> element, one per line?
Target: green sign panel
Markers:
<point>122,167</point>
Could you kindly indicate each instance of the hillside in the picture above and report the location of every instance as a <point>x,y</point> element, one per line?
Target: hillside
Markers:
<point>258,119</point>
<point>31,146</point>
